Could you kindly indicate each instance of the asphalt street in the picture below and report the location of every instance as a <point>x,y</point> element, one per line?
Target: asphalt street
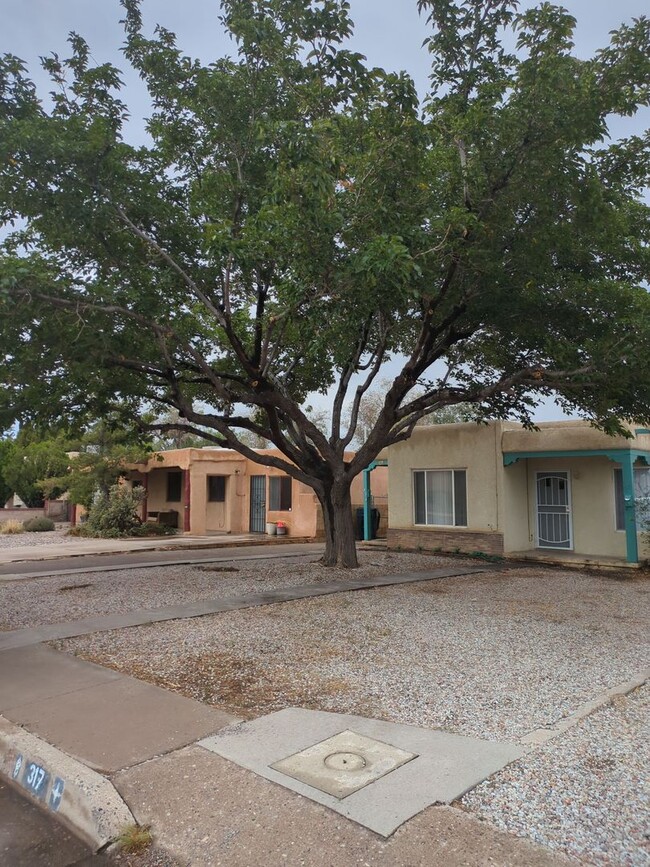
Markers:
<point>29,837</point>
<point>141,559</point>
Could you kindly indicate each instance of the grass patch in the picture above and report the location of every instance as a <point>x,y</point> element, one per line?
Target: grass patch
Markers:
<point>134,838</point>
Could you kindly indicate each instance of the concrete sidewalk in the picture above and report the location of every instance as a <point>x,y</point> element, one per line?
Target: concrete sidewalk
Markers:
<point>141,742</point>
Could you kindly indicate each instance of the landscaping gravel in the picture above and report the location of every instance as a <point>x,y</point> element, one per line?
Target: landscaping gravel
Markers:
<point>586,793</point>
<point>26,540</point>
<point>492,656</point>
<point>58,599</point>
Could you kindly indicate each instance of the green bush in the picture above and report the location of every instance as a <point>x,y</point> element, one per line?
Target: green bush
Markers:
<point>153,530</point>
<point>115,515</point>
<point>39,525</point>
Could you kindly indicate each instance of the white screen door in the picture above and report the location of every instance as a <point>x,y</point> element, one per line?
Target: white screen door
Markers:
<point>554,528</point>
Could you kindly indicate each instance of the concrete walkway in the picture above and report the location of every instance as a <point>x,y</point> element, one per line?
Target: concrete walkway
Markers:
<point>24,637</point>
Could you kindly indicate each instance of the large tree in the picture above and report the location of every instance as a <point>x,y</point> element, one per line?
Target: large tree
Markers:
<point>297,219</point>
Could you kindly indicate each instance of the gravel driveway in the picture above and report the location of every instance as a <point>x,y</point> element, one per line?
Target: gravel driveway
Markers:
<point>493,656</point>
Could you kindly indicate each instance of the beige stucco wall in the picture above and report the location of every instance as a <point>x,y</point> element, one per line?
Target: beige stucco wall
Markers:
<point>567,436</point>
<point>514,513</point>
<point>474,448</point>
<point>592,503</point>
<point>504,499</point>
<point>233,516</point>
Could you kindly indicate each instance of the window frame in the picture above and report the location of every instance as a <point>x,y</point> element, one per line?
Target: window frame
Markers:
<point>221,493</point>
<point>451,471</point>
<point>168,491</point>
<point>619,506</point>
<point>280,493</point>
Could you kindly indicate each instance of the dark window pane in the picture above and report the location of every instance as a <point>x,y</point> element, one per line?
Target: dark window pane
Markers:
<point>420,499</point>
<point>460,498</point>
<point>618,499</point>
<point>216,489</point>
<point>280,493</point>
<point>174,485</point>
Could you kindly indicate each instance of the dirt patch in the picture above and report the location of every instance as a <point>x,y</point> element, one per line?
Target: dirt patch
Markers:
<point>247,688</point>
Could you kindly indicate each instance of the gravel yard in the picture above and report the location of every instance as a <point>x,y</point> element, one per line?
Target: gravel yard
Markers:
<point>494,655</point>
<point>586,792</point>
<point>27,540</point>
<point>57,599</point>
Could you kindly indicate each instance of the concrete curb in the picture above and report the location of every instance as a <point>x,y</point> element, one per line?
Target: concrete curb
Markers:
<point>82,799</point>
<point>548,733</point>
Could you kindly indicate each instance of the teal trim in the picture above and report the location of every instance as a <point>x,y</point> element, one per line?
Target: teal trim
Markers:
<point>367,498</point>
<point>626,458</point>
<point>630,511</point>
<point>642,430</point>
<point>616,455</point>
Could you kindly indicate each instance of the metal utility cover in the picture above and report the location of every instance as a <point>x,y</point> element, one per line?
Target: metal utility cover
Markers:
<point>344,763</point>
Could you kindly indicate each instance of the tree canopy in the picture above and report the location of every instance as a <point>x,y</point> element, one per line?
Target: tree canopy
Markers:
<point>297,219</point>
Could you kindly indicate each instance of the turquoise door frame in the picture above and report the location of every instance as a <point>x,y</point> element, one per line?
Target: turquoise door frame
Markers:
<point>626,458</point>
<point>367,498</point>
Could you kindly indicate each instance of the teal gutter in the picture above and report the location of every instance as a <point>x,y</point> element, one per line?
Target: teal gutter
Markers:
<point>626,458</point>
<point>367,497</point>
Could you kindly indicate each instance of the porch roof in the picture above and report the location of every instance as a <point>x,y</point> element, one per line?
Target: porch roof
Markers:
<point>626,457</point>
<point>616,455</point>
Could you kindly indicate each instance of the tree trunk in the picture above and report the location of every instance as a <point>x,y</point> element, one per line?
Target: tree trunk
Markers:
<point>340,547</point>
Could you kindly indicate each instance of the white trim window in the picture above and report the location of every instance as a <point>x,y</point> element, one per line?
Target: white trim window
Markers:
<point>641,495</point>
<point>440,497</point>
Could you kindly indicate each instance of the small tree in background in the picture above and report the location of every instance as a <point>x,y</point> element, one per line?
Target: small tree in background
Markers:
<point>33,470</point>
<point>100,459</point>
<point>115,514</point>
<point>7,447</point>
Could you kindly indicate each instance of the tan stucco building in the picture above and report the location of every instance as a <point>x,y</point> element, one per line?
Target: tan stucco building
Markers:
<point>211,490</point>
<point>566,489</point>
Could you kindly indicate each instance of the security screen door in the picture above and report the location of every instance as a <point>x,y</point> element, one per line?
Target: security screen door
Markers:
<point>258,504</point>
<point>554,511</point>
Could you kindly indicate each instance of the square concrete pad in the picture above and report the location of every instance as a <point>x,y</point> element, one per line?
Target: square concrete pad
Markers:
<point>445,767</point>
<point>343,764</point>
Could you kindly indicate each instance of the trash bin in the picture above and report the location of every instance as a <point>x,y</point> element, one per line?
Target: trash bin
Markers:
<point>374,523</point>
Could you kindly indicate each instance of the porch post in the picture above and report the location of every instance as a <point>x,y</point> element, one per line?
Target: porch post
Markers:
<point>145,488</point>
<point>186,500</point>
<point>627,464</point>
<point>367,503</point>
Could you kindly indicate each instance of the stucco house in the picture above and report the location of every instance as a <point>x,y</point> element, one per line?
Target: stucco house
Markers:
<point>211,490</point>
<point>565,491</point>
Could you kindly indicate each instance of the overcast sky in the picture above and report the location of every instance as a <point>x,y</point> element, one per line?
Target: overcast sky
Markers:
<point>388,32</point>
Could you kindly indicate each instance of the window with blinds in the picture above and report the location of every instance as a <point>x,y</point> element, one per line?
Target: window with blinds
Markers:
<point>440,497</point>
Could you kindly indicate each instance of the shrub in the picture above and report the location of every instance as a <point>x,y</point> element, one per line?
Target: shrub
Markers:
<point>153,530</point>
<point>115,515</point>
<point>39,525</point>
<point>11,528</point>
<point>77,530</point>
